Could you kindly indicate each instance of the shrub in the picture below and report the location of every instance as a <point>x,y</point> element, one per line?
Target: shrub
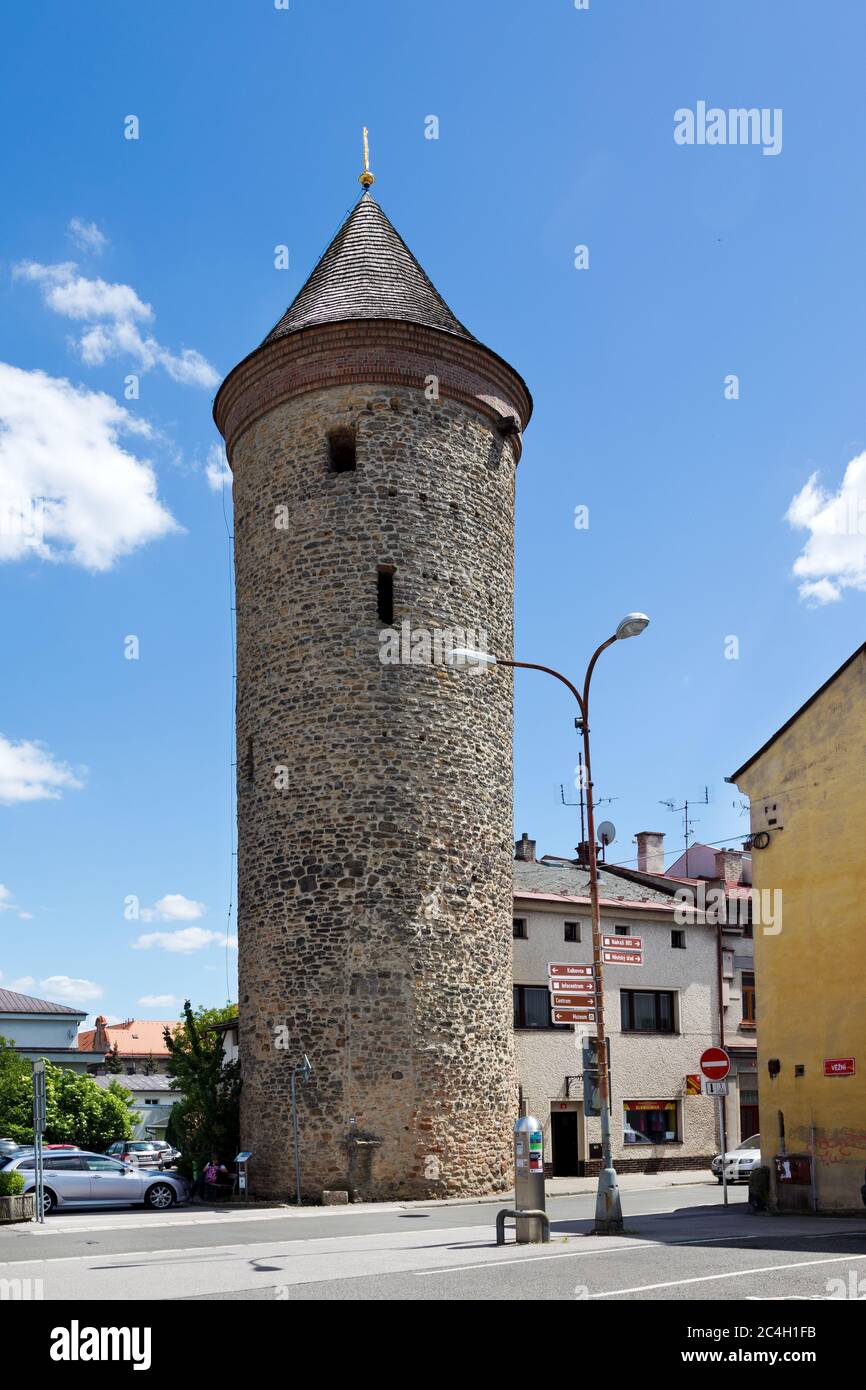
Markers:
<point>11,1184</point>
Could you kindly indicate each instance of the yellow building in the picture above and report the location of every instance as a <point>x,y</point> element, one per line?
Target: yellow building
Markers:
<point>807,788</point>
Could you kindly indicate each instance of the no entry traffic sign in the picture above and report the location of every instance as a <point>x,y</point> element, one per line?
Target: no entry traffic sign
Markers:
<point>715,1063</point>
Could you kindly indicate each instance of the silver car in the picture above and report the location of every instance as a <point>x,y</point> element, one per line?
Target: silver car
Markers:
<point>76,1178</point>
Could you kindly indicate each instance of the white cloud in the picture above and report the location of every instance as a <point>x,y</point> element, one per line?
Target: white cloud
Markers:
<point>174,907</point>
<point>87,236</point>
<point>217,468</point>
<point>28,772</point>
<point>23,984</point>
<point>159,1001</point>
<point>834,557</point>
<point>64,987</point>
<point>112,314</point>
<point>8,904</point>
<point>185,941</point>
<point>69,490</point>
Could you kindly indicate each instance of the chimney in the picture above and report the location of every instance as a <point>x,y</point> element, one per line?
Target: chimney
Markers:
<point>582,851</point>
<point>651,851</point>
<point>524,849</point>
<point>100,1041</point>
<point>729,865</point>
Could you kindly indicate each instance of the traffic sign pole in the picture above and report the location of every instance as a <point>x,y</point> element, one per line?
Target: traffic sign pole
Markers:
<point>715,1065</point>
<point>724,1135</point>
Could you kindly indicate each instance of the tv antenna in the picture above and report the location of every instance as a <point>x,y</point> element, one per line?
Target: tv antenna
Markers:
<point>581,802</point>
<point>688,821</point>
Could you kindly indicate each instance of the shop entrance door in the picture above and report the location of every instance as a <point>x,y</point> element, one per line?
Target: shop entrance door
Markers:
<point>563,1125</point>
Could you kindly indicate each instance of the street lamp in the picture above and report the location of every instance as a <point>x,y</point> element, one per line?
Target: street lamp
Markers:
<point>608,1209</point>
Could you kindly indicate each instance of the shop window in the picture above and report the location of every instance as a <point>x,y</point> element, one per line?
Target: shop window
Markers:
<point>650,1122</point>
<point>647,1011</point>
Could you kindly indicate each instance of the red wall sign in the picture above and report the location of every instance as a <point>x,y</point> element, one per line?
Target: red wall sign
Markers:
<point>838,1066</point>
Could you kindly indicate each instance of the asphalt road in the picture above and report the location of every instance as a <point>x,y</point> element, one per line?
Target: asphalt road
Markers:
<point>680,1243</point>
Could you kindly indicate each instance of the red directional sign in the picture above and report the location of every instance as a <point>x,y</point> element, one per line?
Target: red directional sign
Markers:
<point>564,971</point>
<point>574,1016</point>
<point>623,943</point>
<point>622,957</point>
<point>715,1063</point>
<point>571,1001</point>
<point>574,982</point>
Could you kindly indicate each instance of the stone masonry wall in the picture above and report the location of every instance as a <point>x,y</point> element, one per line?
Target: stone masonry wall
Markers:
<point>375,870</point>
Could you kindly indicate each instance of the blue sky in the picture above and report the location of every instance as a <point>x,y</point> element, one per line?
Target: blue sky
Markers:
<point>556,129</point>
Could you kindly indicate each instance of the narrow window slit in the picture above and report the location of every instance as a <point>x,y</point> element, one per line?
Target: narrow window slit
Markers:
<point>385,593</point>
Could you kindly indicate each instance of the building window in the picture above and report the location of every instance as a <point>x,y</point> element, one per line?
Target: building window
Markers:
<point>341,450</point>
<point>519,930</point>
<point>572,932</point>
<point>647,1011</point>
<point>650,1122</point>
<point>749,1015</point>
<point>532,1007</point>
<point>678,940</point>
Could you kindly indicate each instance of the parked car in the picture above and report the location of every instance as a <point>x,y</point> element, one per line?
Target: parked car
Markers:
<point>739,1161</point>
<point>8,1147</point>
<point>170,1155</point>
<point>77,1178</point>
<point>142,1153</point>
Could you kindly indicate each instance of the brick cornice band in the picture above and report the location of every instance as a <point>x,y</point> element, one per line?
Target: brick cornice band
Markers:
<point>377,351</point>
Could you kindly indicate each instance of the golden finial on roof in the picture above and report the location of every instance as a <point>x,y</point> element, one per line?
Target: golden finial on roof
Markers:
<point>366,178</point>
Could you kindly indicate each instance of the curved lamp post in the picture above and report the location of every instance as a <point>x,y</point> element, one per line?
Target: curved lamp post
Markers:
<point>608,1210</point>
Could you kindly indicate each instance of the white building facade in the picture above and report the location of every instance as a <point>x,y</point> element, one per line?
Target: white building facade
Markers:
<point>660,1015</point>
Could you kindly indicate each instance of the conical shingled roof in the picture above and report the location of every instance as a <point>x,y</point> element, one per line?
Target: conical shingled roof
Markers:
<point>368,272</point>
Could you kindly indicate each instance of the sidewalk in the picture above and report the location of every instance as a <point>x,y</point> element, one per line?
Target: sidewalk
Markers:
<point>577,1187</point>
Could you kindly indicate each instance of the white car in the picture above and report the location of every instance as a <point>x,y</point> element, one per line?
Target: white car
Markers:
<point>738,1162</point>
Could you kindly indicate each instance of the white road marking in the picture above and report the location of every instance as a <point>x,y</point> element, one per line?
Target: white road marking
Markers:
<point>729,1274</point>
<point>636,1244</point>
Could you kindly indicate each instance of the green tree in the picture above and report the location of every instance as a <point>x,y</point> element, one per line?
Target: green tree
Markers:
<point>205,1120</point>
<point>77,1109</point>
<point>113,1063</point>
<point>148,1066</point>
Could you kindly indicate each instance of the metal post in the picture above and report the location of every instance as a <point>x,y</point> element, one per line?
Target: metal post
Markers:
<point>296,1136</point>
<point>723,1132</point>
<point>302,1070</point>
<point>38,1128</point>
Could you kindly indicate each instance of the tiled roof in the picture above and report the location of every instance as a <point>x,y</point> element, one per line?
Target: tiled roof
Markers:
<point>138,1082</point>
<point>368,272</point>
<point>12,1003</point>
<point>569,881</point>
<point>138,1037</point>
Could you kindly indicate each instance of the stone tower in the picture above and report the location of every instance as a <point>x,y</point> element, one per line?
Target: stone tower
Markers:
<point>373,442</point>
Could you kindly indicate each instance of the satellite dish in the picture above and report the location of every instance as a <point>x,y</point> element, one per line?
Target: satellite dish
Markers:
<point>607,832</point>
